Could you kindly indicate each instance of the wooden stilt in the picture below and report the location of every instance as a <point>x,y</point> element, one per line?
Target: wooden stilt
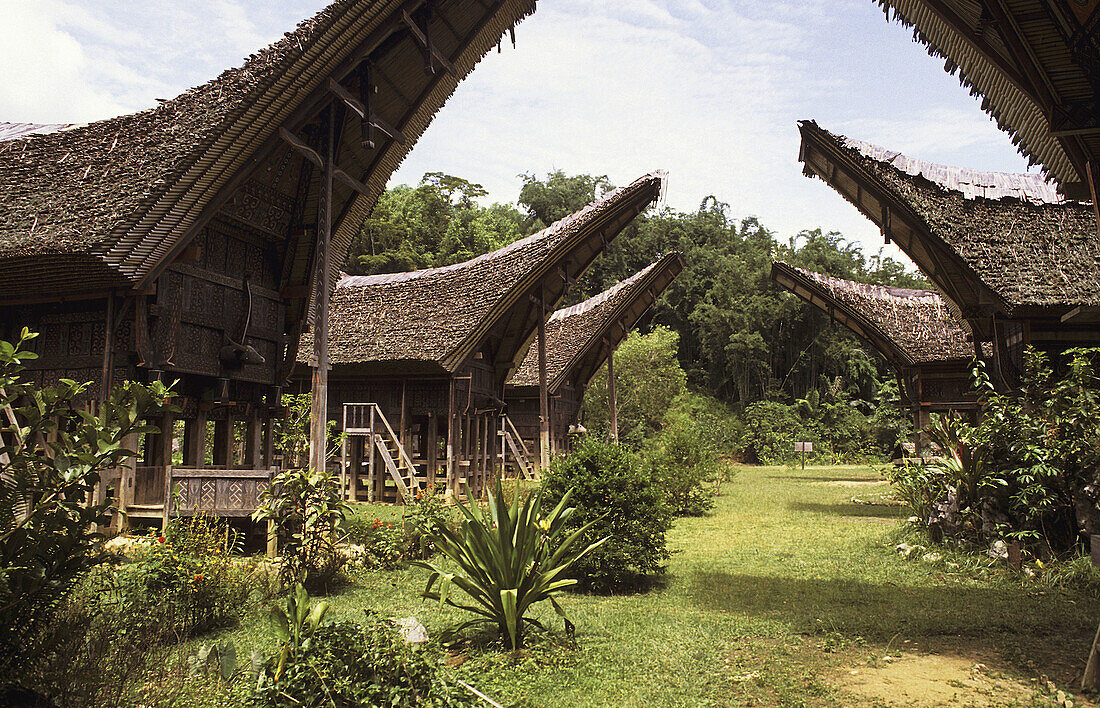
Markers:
<point>254,440</point>
<point>612,400</point>
<point>223,442</point>
<point>544,397</point>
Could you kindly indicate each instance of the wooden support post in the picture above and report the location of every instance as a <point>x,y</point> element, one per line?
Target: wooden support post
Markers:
<point>432,440</point>
<point>254,440</point>
<point>126,483</point>
<point>318,454</point>
<point>612,400</point>
<point>1090,680</point>
<point>269,443</point>
<point>450,461</point>
<point>194,441</point>
<point>544,396</point>
<point>223,442</point>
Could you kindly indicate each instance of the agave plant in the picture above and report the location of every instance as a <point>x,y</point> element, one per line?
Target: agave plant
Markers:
<point>509,557</point>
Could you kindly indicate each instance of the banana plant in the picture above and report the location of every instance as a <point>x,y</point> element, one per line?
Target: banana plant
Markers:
<point>509,557</point>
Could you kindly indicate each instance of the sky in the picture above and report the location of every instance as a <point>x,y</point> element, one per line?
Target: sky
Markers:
<point>709,91</point>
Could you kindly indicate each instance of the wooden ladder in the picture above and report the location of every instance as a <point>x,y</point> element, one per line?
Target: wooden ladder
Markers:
<point>394,457</point>
<point>514,443</point>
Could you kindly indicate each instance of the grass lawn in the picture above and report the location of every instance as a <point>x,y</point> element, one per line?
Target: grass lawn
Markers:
<point>781,596</point>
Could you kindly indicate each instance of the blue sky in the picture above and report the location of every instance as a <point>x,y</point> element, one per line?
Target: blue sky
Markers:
<point>708,91</point>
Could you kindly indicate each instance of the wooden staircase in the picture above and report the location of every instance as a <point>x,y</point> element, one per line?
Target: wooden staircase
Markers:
<point>367,419</point>
<point>512,444</point>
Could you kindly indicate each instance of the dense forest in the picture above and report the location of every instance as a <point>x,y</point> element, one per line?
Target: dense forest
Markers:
<point>741,339</point>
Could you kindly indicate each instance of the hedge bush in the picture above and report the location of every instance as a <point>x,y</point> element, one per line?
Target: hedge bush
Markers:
<point>612,486</point>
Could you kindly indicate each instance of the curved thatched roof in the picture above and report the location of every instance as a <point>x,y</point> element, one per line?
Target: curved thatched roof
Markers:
<point>109,203</point>
<point>1011,250</point>
<point>906,326</point>
<point>580,338</point>
<point>446,315</point>
<point>1035,65</point>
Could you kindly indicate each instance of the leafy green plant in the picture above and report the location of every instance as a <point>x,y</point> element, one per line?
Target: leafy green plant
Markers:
<point>421,518</point>
<point>306,508</point>
<point>684,466</point>
<point>181,591</point>
<point>347,665</point>
<point>615,498</point>
<point>509,557</point>
<point>375,545</point>
<point>295,624</point>
<point>52,456</point>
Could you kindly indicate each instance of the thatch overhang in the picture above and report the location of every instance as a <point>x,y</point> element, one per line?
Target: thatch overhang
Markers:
<point>907,326</point>
<point>580,338</point>
<point>992,243</point>
<point>1036,66</point>
<point>443,317</point>
<point>110,204</point>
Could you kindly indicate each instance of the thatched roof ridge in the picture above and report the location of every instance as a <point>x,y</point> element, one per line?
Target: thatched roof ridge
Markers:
<point>575,335</point>
<point>990,54</point>
<point>906,326</point>
<point>11,131</point>
<point>117,195</point>
<point>1026,251</point>
<point>441,315</point>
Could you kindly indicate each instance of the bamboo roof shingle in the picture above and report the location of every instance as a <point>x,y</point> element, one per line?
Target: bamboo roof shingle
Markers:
<point>907,326</point>
<point>986,240</point>
<point>445,315</point>
<point>581,337</point>
<point>109,203</point>
<point>1036,66</point>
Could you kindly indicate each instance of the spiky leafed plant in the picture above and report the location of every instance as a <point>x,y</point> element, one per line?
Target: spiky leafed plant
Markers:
<point>509,557</point>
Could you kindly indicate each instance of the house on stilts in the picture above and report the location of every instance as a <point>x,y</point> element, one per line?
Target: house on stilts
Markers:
<point>188,242</point>
<point>1013,260</point>
<point>914,330</point>
<point>419,359</point>
<point>579,340</point>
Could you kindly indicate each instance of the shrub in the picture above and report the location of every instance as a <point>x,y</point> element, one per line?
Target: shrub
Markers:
<point>47,538</point>
<point>684,466</point>
<point>181,591</point>
<point>423,517</point>
<point>345,664</point>
<point>306,508</point>
<point>918,486</point>
<point>771,429</point>
<point>613,492</point>
<point>376,545</point>
<point>509,557</point>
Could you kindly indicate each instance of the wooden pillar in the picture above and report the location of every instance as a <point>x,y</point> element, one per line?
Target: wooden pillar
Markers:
<point>450,461</point>
<point>544,398</point>
<point>318,454</point>
<point>269,442</point>
<point>223,442</point>
<point>612,401</point>
<point>126,482</point>
<point>432,441</point>
<point>194,441</point>
<point>254,440</point>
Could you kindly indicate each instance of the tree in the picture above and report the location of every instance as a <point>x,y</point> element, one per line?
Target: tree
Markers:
<point>558,196</point>
<point>647,380</point>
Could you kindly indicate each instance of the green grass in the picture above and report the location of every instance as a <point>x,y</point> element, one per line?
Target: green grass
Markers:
<point>765,601</point>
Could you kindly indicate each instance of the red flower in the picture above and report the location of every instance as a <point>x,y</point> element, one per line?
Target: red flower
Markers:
<point>389,525</point>
<point>162,539</point>
<point>198,578</point>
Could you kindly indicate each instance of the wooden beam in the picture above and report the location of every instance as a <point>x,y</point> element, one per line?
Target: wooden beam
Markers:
<point>1092,170</point>
<point>425,42</point>
<point>301,147</point>
<point>364,112</point>
<point>612,401</point>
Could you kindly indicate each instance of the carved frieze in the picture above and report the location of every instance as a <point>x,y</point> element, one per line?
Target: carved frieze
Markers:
<point>261,207</point>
